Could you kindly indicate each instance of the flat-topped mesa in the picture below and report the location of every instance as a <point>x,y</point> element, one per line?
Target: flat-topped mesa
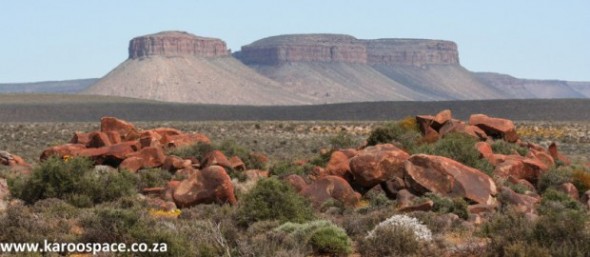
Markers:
<point>304,48</point>
<point>176,43</point>
<point>416,52</point>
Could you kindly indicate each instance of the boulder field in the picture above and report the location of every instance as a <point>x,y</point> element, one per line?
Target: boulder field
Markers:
<point>346,177</point>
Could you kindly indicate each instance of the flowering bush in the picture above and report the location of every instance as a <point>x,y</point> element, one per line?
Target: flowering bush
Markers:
<point>421,232</point>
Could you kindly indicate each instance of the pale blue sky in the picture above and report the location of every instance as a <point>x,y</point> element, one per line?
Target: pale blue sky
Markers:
<point>58,40</point>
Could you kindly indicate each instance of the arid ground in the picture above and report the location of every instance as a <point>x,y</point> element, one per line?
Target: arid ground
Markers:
<point>279,139</point>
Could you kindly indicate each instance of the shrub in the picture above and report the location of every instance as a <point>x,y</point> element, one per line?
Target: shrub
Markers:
<point>331,240</point>
<point>322,159</point>
<point>284,168</point>
<point>153,178</point>
<point>581,179</point>
<point>459,147</point>
<point>553,178</point>
<point>395,241</point>
<point>21,223</point>
<point>558,230</point>
<point>420,231</point>
<point>455,205</point>
<point>271,199</point>
<point>399,235</point>
<point>503,147</point>
<point>405,133</point>
<point>554,200</point>
<point>110,225</point>
<point>322,236</point>
<point>74,181</point>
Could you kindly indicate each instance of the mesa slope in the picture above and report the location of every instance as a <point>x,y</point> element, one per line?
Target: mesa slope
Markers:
<point>180,67</point>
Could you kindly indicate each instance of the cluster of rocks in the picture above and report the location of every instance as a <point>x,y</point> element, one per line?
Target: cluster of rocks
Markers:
<point>336,48</point>
<point>348,174</point>
<point>121,145</point>
<point>352,172</point>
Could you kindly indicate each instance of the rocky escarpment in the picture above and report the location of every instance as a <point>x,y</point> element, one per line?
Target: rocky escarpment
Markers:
<point>176,43</point>
<point>337,68</point>
<point>304,48</point>
<point>348,49</point>
<point>415,52</point>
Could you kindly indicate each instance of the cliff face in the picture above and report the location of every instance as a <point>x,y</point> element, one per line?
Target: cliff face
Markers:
<point>347,49</point>
<point>304,48</point>
<point>175,43</point>
<point>416,52</point>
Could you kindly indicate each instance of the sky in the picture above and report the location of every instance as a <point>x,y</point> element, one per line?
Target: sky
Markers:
<point>72,39</point>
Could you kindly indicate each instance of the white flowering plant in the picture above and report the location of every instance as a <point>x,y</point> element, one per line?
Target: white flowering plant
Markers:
<point>421,232</point>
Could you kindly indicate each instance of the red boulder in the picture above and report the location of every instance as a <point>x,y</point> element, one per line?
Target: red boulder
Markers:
<point>339,165</point>
<point>376,164</point>
<point>62,151</point>
<point>429,173</point>
<point>210,185</point>
<point>125,129</point>
<point>495,127</point>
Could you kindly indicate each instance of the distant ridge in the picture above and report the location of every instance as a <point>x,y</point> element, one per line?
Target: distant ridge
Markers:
<point>63,86</point>
<point>300,69</point>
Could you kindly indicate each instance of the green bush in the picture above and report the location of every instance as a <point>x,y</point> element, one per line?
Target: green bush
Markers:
<point>553,199</point>
<point>331,240</point>
<point>402,133</point>
<point>459,147</point>
<point>554,178</point>
<point>322,236</point>
<point>50,219</point>
<point>272,199</point>
<point>503,147</point>
<point>113,225</point>
<point>395,241</point>
<point>155,177</point>
<point>74,181</point>
<point>455,205</point>
<point>558,230</point>
<point>283,168</point>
